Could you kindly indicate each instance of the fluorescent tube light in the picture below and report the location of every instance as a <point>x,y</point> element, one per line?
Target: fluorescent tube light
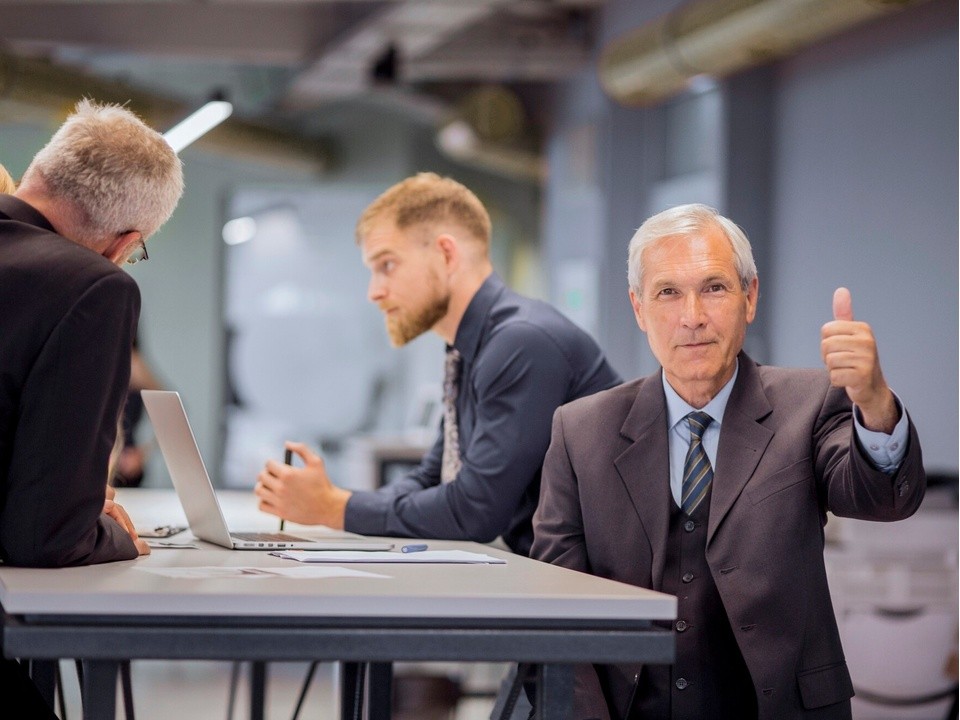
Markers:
<point>197,124</point>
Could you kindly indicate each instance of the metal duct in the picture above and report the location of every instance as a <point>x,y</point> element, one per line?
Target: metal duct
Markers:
<point>718,37</point>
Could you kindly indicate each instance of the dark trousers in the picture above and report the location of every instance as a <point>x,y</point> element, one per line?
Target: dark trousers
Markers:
<point>17,689</point>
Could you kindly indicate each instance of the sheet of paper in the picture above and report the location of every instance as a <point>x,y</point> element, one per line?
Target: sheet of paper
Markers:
<point>157,543</point>
<point>252,572</point>
<point>160,531</point>
<point>425,556</point>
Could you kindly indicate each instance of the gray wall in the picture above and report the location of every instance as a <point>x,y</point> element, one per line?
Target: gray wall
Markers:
<point>181,326</point>
<point>857,186</point>
<point>866,196</point>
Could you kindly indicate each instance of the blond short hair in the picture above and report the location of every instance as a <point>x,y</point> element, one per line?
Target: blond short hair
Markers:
<point>428,198</point>
<point>117,173</point>
<point>7,183</point>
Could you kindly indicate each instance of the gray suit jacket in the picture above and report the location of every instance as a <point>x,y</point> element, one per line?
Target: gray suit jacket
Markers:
<point>787,454</point>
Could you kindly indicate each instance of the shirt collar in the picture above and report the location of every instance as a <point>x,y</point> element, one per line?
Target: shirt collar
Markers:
<point>472,324</point>
<point>678,408</point>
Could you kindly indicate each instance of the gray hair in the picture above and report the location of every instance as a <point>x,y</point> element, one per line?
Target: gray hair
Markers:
<point>684,221</point>
<point>116,173</point>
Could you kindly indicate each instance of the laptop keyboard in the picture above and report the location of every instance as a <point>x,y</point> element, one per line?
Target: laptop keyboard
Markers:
<point>266,537</point>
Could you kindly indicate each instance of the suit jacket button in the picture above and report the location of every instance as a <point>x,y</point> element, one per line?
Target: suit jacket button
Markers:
<point>681,625</point>
<point>689,526</point>
<point>687,577</point>
<point>681,683</point>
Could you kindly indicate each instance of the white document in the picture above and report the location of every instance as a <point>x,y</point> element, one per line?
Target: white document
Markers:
<point>375,556</point>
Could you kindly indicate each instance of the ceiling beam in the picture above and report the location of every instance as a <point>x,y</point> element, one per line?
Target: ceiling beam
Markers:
<point>256,32</point>
<point>39,91</point>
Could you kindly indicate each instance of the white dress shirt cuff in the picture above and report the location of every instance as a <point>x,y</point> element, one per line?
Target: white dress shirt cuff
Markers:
<point>886,451</point>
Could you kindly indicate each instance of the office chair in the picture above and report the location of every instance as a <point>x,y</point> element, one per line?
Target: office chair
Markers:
<point>924,675</point>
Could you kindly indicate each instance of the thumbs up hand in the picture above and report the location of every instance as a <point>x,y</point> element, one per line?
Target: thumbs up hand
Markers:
<point>849,350</point>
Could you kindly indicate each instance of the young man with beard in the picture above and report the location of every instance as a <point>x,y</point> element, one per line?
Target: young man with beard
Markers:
<point>426,242</point>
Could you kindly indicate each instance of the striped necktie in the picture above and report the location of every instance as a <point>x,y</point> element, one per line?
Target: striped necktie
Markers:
<point>697,473</point>
<point>451,435</point>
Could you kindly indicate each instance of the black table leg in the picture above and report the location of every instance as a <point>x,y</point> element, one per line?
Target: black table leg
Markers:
<point>351,690</point>
<point>100,689</point>
<point>258,689</point>
<point>554,692</point>
<point>126,682</point>
<point>379,691</point>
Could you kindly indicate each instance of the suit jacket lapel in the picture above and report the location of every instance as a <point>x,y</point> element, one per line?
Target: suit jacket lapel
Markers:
<point>645,471</point>
<point>743,441</point>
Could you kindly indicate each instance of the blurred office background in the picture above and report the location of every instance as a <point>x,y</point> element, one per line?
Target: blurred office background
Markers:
<point>827,128</point>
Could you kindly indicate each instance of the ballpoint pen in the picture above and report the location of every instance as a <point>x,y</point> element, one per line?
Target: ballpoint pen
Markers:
<point>413,548</point>
<point>288,460</point>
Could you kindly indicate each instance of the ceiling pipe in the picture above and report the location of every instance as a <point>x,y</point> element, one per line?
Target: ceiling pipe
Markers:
<point>719,37</point>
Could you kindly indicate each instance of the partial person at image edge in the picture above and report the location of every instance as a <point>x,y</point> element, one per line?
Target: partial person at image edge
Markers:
<point>86,204</point>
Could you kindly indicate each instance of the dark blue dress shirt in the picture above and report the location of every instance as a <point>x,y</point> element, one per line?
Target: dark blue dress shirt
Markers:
<point>521,360</point>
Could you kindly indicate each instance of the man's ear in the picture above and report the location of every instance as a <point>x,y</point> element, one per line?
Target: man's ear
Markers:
<point>118,248</point>
<point>635,304</point>
<point>450,250</point>
<point>753,294</point>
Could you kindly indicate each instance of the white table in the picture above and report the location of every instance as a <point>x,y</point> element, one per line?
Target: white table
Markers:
<point>522,611</point>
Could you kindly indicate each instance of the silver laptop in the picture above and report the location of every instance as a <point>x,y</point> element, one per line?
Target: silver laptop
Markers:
<point>199,500</point>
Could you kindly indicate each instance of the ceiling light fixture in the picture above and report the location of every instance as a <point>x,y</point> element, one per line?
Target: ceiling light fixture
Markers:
<point>239,230</point>
<point>197,124</point>
<point>457,138</point>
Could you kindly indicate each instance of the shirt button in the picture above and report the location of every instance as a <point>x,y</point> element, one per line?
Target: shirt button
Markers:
<point>687,577</point>
<point>874,447</point>
<point>681,625</point>
<point>681,683</point>
<point>689,526</point>
<point>894,446</point>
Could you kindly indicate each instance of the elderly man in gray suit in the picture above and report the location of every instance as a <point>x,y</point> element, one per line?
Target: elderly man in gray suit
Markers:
<point>711,481</point>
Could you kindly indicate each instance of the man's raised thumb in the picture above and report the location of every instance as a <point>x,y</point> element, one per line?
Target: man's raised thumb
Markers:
<point>842,304</point>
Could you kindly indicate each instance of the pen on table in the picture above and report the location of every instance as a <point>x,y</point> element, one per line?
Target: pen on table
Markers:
<point>288,460</point>
<point>413,548</point>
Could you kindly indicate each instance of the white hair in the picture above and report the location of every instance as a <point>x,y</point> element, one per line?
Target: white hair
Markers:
<point>684,221</point>
<point>116,173</point>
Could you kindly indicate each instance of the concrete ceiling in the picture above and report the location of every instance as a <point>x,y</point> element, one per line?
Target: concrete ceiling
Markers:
<point>283,62</point>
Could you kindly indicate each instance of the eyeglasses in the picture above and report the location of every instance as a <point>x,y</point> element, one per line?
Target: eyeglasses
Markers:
<point>139,253</point>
